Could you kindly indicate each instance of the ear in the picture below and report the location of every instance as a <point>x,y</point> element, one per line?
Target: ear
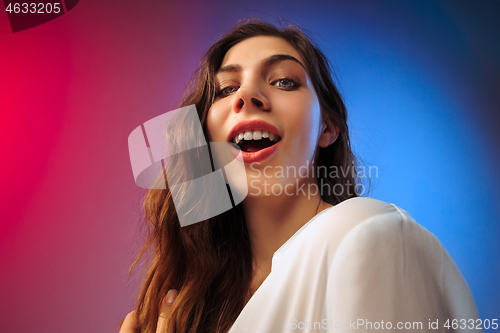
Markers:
<point>329,133</point>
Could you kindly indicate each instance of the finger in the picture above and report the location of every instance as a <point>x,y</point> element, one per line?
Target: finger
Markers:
<point>129,324</point>
<point>166,304</point>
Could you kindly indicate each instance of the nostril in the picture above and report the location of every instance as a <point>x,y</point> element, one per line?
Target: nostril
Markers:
<point>257,102</point>
<point>239,104</point>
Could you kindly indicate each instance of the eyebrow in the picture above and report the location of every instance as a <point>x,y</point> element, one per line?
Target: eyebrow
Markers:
<point>269,61</point>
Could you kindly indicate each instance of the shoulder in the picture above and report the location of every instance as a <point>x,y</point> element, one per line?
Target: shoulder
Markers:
<point>361,226</point>
<point>391,228</point>
<point>367,217</point>
<point>356,211</point>
<point>387,264</point>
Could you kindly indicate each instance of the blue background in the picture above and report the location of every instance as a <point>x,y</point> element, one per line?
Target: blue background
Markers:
<point>421,80</point>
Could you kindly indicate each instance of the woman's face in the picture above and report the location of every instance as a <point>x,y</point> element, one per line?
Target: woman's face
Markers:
<point>266,103</point>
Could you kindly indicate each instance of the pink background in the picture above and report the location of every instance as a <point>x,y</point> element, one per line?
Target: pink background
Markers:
<point>71,91</point>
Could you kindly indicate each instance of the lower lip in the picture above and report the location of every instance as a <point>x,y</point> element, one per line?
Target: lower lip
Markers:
<point>257,156</point>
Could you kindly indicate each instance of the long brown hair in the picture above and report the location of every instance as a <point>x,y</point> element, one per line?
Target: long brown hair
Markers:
<point>210,263</point>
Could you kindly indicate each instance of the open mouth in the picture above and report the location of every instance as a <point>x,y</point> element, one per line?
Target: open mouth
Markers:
<point>252,141</point>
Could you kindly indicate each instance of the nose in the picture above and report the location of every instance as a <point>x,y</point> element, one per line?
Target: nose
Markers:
<point>250,97</point>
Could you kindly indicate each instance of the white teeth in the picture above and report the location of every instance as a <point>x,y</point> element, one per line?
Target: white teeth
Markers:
<point>255,135</point>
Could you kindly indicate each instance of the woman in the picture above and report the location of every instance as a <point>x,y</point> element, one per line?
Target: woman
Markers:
<point>302,251</point>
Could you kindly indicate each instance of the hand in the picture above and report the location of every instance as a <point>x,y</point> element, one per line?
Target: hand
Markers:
<point>130,325</point>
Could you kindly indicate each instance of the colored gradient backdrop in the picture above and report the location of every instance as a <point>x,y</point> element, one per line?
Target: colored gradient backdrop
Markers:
<point>420,78</point>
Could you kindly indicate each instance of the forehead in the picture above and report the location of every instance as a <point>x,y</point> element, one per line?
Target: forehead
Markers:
<point>255,49</point>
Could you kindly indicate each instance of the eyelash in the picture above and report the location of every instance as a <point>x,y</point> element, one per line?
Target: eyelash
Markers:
<point>294,85</point>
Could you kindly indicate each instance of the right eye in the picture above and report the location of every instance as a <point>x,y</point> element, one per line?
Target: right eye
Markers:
<point>223,92</point>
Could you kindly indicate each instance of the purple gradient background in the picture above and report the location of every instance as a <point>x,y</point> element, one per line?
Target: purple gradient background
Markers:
<point>421,79</point>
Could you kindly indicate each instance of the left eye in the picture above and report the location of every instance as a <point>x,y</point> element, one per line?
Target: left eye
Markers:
<point>285,83</point>
<point>226,91</point>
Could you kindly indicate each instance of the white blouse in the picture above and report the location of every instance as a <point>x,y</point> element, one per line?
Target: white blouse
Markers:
<point>363,265</point>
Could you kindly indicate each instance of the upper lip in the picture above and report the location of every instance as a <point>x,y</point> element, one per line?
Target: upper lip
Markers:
<point>250,125</point>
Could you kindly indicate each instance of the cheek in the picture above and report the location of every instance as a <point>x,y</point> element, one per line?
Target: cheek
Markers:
<point>214,123</point>
<point>217,119</point>
<point>306,121</point>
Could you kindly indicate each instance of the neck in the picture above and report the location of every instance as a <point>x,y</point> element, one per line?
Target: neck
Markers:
<point>272,220</point>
